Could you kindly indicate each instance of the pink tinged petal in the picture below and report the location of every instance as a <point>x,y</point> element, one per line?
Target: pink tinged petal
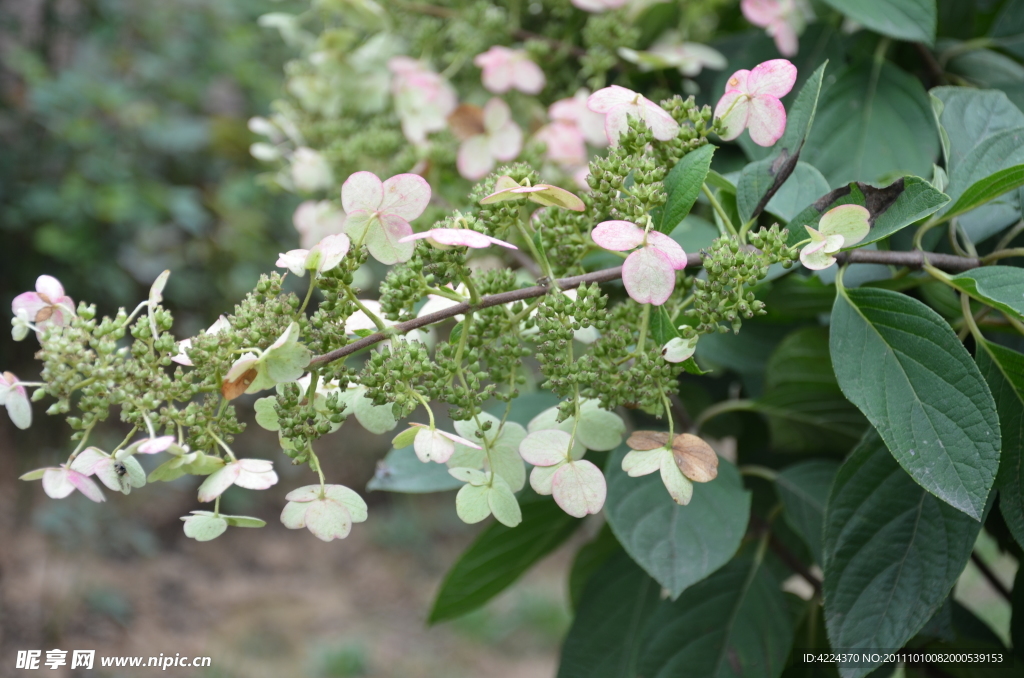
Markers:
<point>218,481</point>
<point>332,250</point>
<point>460,440</point>
<point>49,286</point>
<point>241,366</point>
<point>638,463</point>
<point>766,120</point>
<point>358,223</point>
<point>474,160</point>
<point>19,407</point>
<point>579,488</point>
<point>294,515</point>
<point>546,447</point>
<point>86,461</point>
<point>30,303</point>
<point>616,121</point>
<point>737,81</point>
<point>107,474</point>
<point>385,241</point>
<point>432,446</point>
<point>501,196</point>
<point>774,78</point>
<point>155,445</point>
<point>603,100</point>
<point>304,494</point>
<point>734,109</point>
<point>528,76</point>
<point>506,142</point>
<point>617,235</point>
<point>328,520</point>
<point>362,191</point>
<point>850,221</point>
<point>679,487</point>
<point>833,243</point>
<point>786,39</point>
<point>182,357</point>
<point>497,79</point>
<point>86,486</point>
<point>669,247</point>
<point>405,196</point>
<point>543,477</point>
<point>456,237</point>
<point>56,484</point>
<point>648,276</point>
<point>760,12</point>
<point>256,465</point>
<point>662,124</point>
<point>814,256</point>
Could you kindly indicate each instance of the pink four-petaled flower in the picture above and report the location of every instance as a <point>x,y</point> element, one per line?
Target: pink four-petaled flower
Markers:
<point>497,138</point>
<point>423,99</point>
<point>618,103</point>
<point>505,69</point>
<point>751,101</point>
<point>252,474</point>
<point>379,212</point>
<point>783,20</point>
<point>61,481</point>
<point>649,273</point>
<point>48,305</point>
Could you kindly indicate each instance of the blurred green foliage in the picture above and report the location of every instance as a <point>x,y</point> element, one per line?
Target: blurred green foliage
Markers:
<point>125,150</point>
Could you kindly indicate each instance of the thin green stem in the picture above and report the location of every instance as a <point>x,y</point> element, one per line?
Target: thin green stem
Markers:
<point>972,325</point>
<point>126,439</point>
<point>719,210</point>
<point>721,408</point>
<point>378,323</point>
<point>538,256</point>
<point>315,463</point>
<point>746,229</point>
<point>1005,241</point>
<point>768,474</point>
<point>81,443</point>
<point>426,406</point>
<point>309,293</point>
<point>216,507</point>
<point>645,320</point>
<point>1003,254</point>
<point>222,444</point>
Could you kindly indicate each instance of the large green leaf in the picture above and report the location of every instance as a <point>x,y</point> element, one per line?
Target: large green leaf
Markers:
<point>892,553</point>
<point>981,132</point>
<point>402,471</point>
<point>985,190</point>
<point>760,180</point>
<point>683,186</point>
<point>892,208</point>
<point>499,556</point>
<point>803,188</point>
<point>872,126</point>
<point>902,365</point>
<point>1001,287</point>
<point>803,489</point>
<point>607,635</point>
<point>733,624</point>
<point>1003,369</point>
<point>677,545</point>
<point>806,410</point>
<point>910,20</point>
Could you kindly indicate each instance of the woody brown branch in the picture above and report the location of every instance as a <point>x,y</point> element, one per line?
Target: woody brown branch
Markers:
<point>946,262</point>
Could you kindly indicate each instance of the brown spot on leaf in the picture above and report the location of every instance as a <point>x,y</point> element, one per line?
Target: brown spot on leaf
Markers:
<point>647,440</point>
<point>695,458</point>
<point>232,389</point>
<point>466,121</point>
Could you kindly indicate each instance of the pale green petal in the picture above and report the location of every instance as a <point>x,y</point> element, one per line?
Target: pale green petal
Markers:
<point>637,463</point>
<point>678,485</point>
<point>471,503</point>
<point>503,503</point>
<point>266,413</point>
<point>204,527</point>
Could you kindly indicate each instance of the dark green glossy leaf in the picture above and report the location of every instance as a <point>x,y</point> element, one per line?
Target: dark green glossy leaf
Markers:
<point>1003,369</point>
<point>801,359</point>
<point>803,489</point>
<point>873,125</point>
<point>402,471</point>
<point>1001,287</point>
<point>892,553</point>
<point>902,365</point>
<point>987,189</point>
<point>608,633</point>
<point>589,560</point>
<point>683,186</point>
<point>761,180</point>
<point>892,208</point>
<point>499,556</point>
<point>803,188</point>
<point>910,20</point>
<point>734,623</point>
<point>677,545</point>
<point>810,419</point>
